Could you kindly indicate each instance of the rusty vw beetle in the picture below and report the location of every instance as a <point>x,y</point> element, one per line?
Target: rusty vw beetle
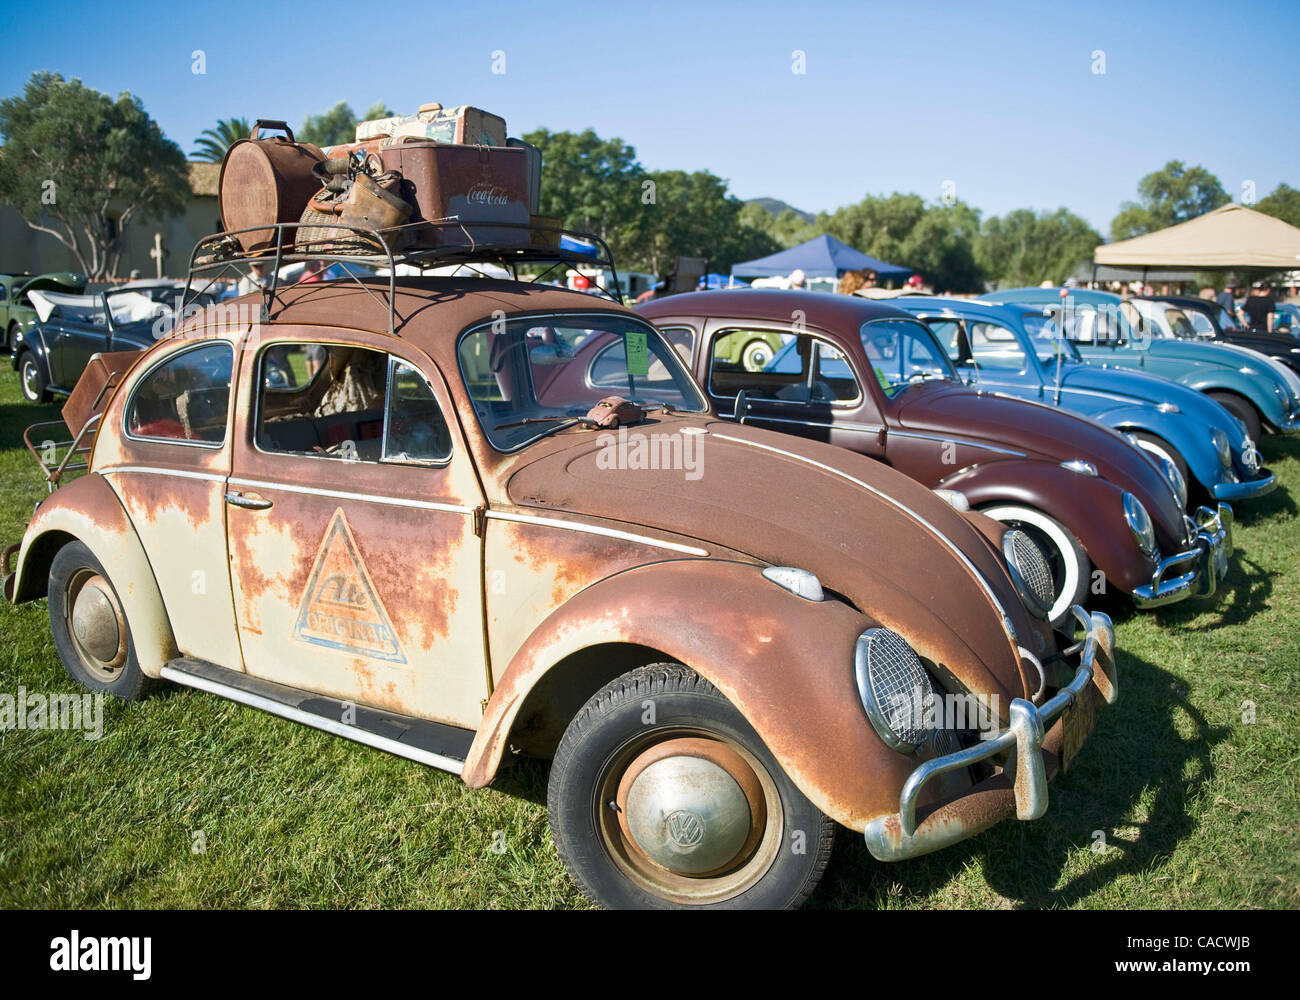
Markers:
<point>429,538</point>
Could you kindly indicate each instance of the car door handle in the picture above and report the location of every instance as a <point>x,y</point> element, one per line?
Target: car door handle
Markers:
<point>248,503</point>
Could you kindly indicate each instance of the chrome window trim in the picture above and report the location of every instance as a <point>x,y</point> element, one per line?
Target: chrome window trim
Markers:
<point>701,398</point>
<point>843,404</point>
<point>260,388</point>
<point>167,359</point>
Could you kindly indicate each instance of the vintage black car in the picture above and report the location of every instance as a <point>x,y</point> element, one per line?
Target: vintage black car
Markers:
<point>71,329</point>
<point>1211,321</point>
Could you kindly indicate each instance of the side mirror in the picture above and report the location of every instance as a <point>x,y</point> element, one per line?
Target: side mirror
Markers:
<point>742,406</point>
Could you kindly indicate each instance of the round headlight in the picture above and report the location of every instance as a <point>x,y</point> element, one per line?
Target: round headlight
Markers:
<point>1030,572</point>
<point>1139,522</point>
<point>1221,446</point>
<point>1175,478</point>
<point>894,688</point>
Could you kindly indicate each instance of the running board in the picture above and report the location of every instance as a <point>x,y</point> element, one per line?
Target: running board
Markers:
<point>432,743</point>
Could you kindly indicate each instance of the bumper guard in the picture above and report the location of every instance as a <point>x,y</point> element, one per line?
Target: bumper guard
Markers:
<point>1197,571</point>
<point>1023,779</point>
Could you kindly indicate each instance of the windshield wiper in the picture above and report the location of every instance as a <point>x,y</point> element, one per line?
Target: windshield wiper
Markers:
<point>560,420</point>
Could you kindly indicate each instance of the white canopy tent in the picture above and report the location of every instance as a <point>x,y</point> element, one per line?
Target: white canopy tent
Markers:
<point>1234,237</point>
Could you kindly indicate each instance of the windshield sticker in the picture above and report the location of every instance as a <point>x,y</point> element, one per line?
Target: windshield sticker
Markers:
<point>638,360</point>
<point>340,609</point>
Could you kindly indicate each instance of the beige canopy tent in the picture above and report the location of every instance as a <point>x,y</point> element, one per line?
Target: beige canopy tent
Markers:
<point>1233,237</point>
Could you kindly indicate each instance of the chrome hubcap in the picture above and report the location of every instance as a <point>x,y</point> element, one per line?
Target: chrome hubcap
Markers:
<point>96,624</point>
<point>29,378</point>
<point>692,806</point>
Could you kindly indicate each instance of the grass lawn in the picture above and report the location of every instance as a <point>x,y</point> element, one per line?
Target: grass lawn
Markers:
<point>192,801</point>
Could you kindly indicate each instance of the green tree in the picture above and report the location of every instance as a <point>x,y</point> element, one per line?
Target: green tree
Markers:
<point>1283,203</point>
<point>693,215</point>
<point>1025,247</point>
<point>1166,197</point>
<point>212,143</point>
<point>338,125</point>
<point>592,184</point>
<point>786,229</point>
<point>82,167</point>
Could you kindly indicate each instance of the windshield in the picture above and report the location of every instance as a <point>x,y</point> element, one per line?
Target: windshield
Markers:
<point>1087,323</point>
<point>529,375</point>
<point>904,352</point>
<point>1047,342</point>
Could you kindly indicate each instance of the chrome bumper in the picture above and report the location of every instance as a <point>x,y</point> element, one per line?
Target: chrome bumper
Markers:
<point>1248,490</point>
<point>1022,783</point>
<point>1196,572</point>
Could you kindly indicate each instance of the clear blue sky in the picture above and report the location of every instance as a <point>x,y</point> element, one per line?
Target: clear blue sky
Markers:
<point>1001,100</point>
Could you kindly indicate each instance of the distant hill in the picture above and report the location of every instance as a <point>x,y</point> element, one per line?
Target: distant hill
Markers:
<point>776,206</point>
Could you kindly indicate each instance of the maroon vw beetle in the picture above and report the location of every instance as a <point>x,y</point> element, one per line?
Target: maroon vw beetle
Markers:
<point>867,376</point>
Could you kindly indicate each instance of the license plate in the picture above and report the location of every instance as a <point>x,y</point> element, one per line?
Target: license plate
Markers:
<point>1079,721</point>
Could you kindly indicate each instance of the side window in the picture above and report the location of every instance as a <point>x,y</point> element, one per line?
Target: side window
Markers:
<point>682,339</point>
<point>797,369</point>
<point>352,403</point>
<point>995,347</point>
<point>186,398</point>
<point>414,429</point>
<point>948,333</point>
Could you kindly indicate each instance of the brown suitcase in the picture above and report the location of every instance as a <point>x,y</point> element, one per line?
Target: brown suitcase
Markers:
<point>473,184</point>
<point>534,156</point>
<point>265,181</point>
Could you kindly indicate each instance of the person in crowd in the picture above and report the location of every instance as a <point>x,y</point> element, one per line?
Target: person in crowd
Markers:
<point>850,282</point>
<point>1228,298</point>
<point>1257,310</point>
<point>870,279</point>
<point>798,279</point>
<point>312,271</point>
<point>254,281</point>
<point>1206,293</point>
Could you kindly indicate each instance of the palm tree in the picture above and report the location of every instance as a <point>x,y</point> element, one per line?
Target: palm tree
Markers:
<point>211,145</point>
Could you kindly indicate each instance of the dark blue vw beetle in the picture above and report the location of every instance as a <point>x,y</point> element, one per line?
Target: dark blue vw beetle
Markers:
<point>1017,350</point>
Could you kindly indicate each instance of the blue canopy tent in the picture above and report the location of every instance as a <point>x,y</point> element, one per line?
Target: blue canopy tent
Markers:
<point>821,257</point>
<point>714,280</point>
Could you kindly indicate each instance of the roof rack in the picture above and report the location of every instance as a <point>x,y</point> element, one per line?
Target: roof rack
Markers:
<point>446,242</point>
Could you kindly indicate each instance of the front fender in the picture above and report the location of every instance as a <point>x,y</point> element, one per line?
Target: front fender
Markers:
<point>1092,508</point>
<point>33,339</point>
<point>1259,391</point>
<point>87,510</point>
<point>1191,438</point>
<point>784,662</point>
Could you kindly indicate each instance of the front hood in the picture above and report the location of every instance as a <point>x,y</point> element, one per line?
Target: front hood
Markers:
<point>1127,386</point>
<point>1048,434</point>
<point>889,545</point>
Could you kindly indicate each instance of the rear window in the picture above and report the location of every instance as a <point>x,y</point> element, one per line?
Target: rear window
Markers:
<point>184,399</point>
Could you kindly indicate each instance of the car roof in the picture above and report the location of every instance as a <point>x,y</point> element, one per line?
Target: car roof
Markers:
<point>971,307</point>
<point>1089,295</point>
<point>819,308</point>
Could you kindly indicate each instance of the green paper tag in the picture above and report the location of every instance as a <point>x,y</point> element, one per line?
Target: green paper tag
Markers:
<point>638,359</point>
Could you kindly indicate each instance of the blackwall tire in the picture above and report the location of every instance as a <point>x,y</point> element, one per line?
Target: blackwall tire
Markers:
<point>706,817</point>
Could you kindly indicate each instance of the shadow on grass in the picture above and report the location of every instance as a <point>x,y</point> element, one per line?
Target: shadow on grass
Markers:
<point>16,418</point>
<point>1137,763</point>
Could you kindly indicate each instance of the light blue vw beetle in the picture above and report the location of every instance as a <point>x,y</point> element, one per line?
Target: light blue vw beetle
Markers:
<point>1107,330</point>
<point>1018,350</point>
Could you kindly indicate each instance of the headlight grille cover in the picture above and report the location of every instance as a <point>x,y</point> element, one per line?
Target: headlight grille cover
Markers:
<point>895,688</point>
<point>1029,564</point>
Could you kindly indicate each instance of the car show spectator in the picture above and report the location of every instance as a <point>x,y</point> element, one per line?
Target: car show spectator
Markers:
<point>1257,310</point>
<point>1228,297</point>
<point>254,281</point>
<point>798,279</point>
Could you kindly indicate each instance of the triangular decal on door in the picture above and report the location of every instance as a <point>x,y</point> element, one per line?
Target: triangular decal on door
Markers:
<point>340,609</point>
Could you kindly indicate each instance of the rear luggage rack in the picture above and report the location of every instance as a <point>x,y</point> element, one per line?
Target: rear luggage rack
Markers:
<point>510,245</point>
<point>57,457</point>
